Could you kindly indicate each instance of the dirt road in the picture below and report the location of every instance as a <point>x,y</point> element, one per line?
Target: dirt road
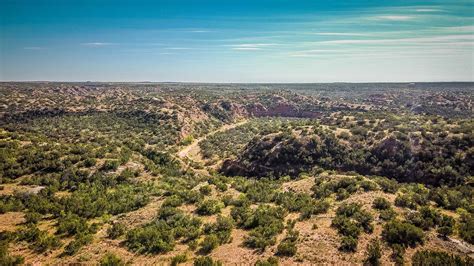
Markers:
<point>192,151</point>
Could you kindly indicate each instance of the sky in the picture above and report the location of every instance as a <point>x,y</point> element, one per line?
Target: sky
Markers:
<point>237,40</point>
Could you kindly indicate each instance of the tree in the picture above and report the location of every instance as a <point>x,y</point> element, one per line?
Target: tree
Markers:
<point>402,233</point>
<point>111,259</point>
<point>373,254</point>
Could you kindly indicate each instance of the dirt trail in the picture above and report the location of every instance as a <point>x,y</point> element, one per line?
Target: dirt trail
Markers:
<point>192,151</point>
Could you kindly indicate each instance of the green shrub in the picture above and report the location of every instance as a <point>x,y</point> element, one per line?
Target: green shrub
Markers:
<point>172,201</point>
<point>209,243</point>
<point>6,259</point>
<point>71,224</point>
<point>287,246</point>
<point>398,254</point>
<point>466,227</point>
<point>381,204</point>
<point>446,226</point>
<point>426,218</point>
<point>271,261</point>
<point>74,246</point>
<point>209,207</point>
<point>348,244</point>
<point>39,240</point>
<point>116,230</point>
<point>428,258</point>
<point>368,185</point>
<point>32,217</point>
<point>110,165</point>
<point>222,228</point>
<point>342,194</point>
<point>46,242</point>
<point>152,238</point>
<point>205,190</point>
<point>402,233</point>
<point>266,222</point>
<point>180,258</point>
<point>89,162</point>
<point>387,214</point>
<point>373,254</point>
<point>111,259</point>
<point>206,261</point>
<point>387,185</point>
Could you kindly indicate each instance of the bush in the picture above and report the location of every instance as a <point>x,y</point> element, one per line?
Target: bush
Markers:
<point>205,190</point>
<point>6,259</point>
<point>426,218</point>
<point>172,201</point>
<point>110,165</point>
<point>402,233</point>
<point>387,214</point>
<point>368,185</point>
<point>152,238</point>
<point>209,207</point>
<point>46,242</point>
<point>74,246</point>
<point>271,261</point>
<point>387,185</point>
<point>110,259</point>
<point>446,226</point>
<point>209,243</point>
<point>222,228</point>
<point>398,254</point>
<point>381,204</point>
<point>181,258</point>
<point>348,244</point>
<point>427,258</point>
<point>466,227</point>
<point>71,224</point>
<point>373,254</point>
<point>266,222</point>
<point>342,194</point>
<point>206,261</point>
<point>39,240</point>
<point>287,246</point>
<point>32,217</point>
<point>116,230</point>
<point>405,201</point>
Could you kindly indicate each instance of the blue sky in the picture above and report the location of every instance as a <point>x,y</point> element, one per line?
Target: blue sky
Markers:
<point>237,41</point>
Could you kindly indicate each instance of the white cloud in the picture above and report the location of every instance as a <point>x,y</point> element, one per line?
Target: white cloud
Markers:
<point>246,48</point>
<point>253,45</point>
<point>341,34</point>
<point>97,44</point>
<point>393,17</point>
<point>421,40</point>
<point>428,10</point>
<point>177,48</point>
<point>468,28</point>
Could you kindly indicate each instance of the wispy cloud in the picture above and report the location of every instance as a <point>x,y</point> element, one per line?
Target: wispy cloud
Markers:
<point>33,48</point>
<point>250,46</point>
<point>246,48</point>
<point>469,28</point>
<point>432,39</point>
<point>97,44</point>
<point>200,31</point>
<point>393,17</point>
<point>177,48</point>
<point>341,34</point>
<point>428,10</point>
